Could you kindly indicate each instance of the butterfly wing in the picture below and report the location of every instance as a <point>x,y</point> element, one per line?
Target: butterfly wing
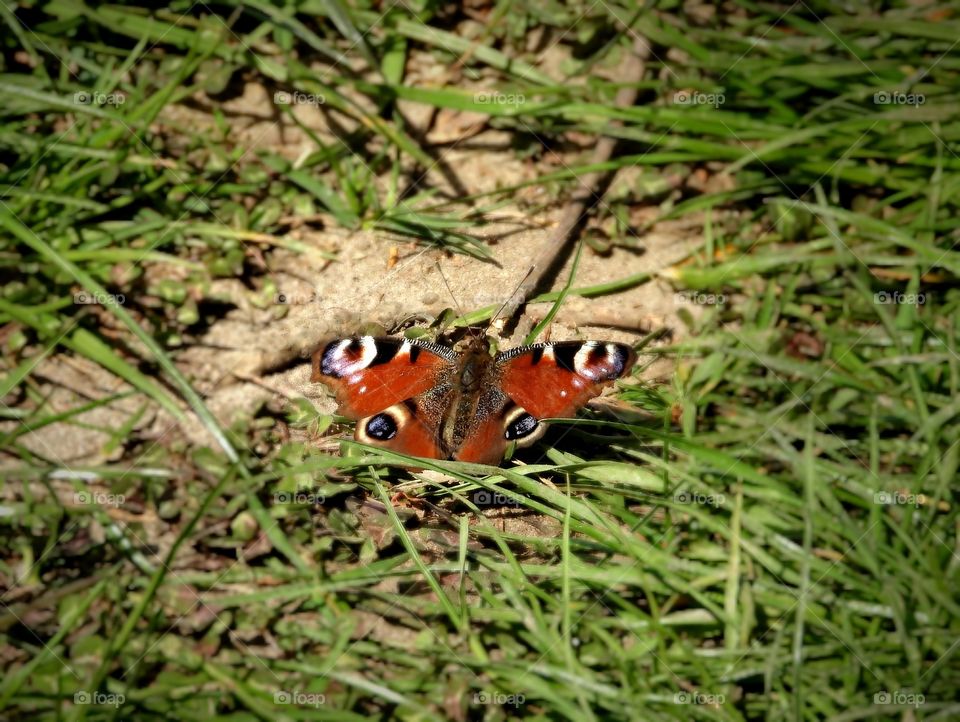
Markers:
<point>491,432</point>
<point>369,375</point>
<point>536,382</point>
<point>395,388</point>
<point>403,427</point>
<point>555,379</point>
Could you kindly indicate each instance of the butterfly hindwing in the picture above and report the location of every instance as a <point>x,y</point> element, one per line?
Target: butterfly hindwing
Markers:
<point>490,434</point>
<point>369,375</point>
<point>555,379</point>
<point>403,428</point>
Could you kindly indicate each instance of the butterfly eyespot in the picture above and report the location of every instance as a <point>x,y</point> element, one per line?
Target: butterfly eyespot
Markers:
<point>520,427</point>
<point>381,427</point>
<point>348,356</point>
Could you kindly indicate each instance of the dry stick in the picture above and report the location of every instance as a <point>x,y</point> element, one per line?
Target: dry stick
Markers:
<point>555,249</point>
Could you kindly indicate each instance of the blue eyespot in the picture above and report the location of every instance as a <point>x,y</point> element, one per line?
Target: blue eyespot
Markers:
<point>522,426</point>
<point>382,427</point>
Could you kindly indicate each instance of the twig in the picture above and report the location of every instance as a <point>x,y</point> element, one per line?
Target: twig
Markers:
<point>592,186</point>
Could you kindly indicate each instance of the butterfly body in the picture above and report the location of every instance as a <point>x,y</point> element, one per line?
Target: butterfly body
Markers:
<point>429,400</point>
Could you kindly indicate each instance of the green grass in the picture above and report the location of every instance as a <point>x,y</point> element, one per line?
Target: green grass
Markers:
<point>731,553</point>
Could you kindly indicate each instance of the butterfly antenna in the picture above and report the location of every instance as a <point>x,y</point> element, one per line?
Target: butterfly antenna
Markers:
<point>453,296</point>
<point>500,323</point>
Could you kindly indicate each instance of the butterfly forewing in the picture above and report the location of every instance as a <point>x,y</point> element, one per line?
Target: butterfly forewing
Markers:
<point>370,374</point>
<point>553,380</point>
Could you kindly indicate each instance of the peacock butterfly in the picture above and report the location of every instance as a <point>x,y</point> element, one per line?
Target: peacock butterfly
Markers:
<point>428,400</point>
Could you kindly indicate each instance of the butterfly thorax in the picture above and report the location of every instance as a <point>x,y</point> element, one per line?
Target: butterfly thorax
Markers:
<point>475,363</point>
<point>467,401</point>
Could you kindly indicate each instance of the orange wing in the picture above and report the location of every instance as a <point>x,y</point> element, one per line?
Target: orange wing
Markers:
<point>399,428</point>
<point>485,444</point>
<point>369,375</point>
<point>556,379</point>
